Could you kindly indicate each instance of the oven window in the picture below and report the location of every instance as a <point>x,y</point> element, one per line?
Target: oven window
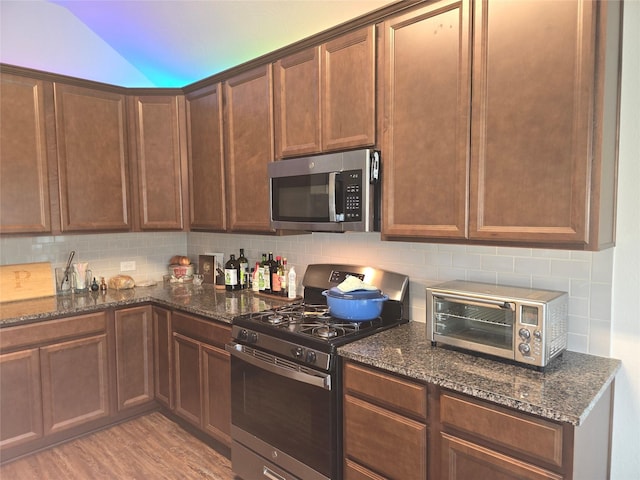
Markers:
<point>292,416</point>
<point>488,325</point>
<point>303,198</point>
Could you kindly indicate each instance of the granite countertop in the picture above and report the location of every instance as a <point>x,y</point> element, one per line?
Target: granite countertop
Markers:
<point>204,300</point>
<point>566,391</point>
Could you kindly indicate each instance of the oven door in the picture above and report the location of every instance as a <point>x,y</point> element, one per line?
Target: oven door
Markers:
<point>285,412</point>
<point>483,325</point>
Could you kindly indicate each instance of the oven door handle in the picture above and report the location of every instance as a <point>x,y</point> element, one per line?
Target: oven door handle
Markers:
<point>479,302</point>
<point>317,379</point>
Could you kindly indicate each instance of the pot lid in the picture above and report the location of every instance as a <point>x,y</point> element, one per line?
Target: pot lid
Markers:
<point>354,295</point>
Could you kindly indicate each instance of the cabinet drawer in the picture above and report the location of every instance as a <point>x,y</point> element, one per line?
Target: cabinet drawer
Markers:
<point>353,471</point>
<point>386,390</point>
<point>207,331</point>
<point>385,442</point>
<point>527,434</point>
<point>462,459</point>
<point>52,330</point>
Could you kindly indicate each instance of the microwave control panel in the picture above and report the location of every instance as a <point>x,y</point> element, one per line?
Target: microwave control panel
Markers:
<point>352,189</point>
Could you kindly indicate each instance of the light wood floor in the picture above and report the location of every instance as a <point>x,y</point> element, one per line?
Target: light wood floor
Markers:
<point>149,447</point>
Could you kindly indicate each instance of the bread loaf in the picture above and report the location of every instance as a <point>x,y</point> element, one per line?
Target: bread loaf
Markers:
<point>121,282</point>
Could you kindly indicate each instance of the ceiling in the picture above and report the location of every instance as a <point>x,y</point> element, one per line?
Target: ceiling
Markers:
<point>159,43</point>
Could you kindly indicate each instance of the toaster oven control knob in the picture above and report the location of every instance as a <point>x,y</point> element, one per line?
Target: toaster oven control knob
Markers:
<point>524,334</point>
<point>311,356</point>
<point>524,348</point>
<point>537,334</point>
<point>298,352</point>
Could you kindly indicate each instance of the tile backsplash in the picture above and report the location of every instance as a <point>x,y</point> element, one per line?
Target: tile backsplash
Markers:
<point>587,276</point>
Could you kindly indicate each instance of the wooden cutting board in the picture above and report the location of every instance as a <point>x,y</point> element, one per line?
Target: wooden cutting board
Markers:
<point>26,280</point>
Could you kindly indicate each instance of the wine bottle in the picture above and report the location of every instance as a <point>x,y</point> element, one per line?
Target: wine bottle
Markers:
<point>268,270</point>
<point>231,274</point>
<point>276,278</point>
<point>244,270</point>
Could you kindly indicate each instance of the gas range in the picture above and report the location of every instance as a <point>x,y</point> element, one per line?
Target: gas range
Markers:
<point>286,377</point>
<point>305,331</point>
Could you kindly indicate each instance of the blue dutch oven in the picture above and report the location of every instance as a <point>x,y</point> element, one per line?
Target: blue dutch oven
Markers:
<point>356,306</point>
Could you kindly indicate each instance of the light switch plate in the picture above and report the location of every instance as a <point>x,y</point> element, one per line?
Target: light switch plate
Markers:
<point>128,266</point>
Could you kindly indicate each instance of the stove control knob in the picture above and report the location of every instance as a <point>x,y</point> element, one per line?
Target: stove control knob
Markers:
<point>311,356</point>
<point>298,352</point>
<point>243,334</point>
<point>252,337</point>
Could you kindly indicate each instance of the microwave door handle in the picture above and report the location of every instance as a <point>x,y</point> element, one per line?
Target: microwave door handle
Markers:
<point>332,196</point>
<point>478,302</point>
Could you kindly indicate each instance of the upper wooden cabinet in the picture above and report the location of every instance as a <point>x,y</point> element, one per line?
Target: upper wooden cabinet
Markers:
<point>426,94</point>
<point>249,148</point>
<point>24,182</point>
<point>539,166</point>
<point>324,96</point>
<point>544,123</point>
<point>207,192</point>
<point>92,159</point>
<point>157,161</point>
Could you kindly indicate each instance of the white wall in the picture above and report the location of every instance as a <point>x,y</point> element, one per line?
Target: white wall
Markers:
<point>625,332</point>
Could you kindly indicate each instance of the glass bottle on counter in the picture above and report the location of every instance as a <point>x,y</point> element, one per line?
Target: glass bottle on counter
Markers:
<point>255,285</point>
<point>276,279</point>
<point>243,270</point>
<point>283,272</point>
<point>268,270</point>
<point>261,278</point>
<point>231,274</point>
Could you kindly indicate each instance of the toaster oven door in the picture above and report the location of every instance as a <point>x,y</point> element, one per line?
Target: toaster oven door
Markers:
<point>486,326</point>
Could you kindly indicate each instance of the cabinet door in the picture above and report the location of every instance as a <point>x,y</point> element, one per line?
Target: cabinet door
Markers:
<point>74,383</point>
<point>216,388</point>
<point>24,187</point>
<point>134,350</point>
<point>462,460</point>
<point>21,401</point>
<point>163,367</point>
<point>383,441</point>
<point>207,195</point>
<point>186,354</point>
<point>532,113</point>
<point>92,159</point>
<point>348,90</point>
<point>249,148</point>
<point>297,103</point>
<point>158,161</point>
<point>425,143</point>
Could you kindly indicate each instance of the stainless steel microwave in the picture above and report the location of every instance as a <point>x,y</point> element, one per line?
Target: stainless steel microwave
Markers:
<point>336,192</point>
<point>528,326</point>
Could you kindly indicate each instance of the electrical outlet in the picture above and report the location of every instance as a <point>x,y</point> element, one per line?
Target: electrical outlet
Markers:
<point>127,266</point>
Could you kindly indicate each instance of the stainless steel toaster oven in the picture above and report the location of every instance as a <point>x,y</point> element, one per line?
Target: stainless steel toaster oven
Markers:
<point>528,326</point>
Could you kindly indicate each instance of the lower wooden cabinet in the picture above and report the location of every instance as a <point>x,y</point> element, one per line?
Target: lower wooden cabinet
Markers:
<point>134,356</point>
<point>75,382</point>
<point>462,460</point>
<point>202,374</point>
<point>54,381</point>
<point>21,404</point>
<point>162,354</point>
<point>385,430</point>
<point>216,391</point>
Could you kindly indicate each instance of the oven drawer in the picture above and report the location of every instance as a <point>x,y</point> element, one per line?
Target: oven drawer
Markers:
<point>503,427</point>
<point>389,391</point>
